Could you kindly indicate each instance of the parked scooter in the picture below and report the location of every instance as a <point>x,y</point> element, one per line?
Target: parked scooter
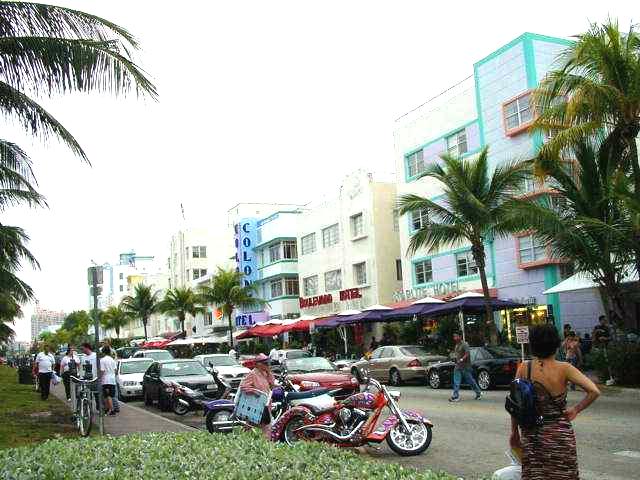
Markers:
<point>185,400</point>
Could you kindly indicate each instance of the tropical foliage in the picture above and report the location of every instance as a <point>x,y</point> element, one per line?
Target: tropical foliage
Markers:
<point>226,290</point>
<point>142,304</point>
<point>472,211</point>
<point>180,302</point>
<point>115,317</point>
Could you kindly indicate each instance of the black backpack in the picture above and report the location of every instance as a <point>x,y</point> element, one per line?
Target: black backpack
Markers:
<point>521,402</point>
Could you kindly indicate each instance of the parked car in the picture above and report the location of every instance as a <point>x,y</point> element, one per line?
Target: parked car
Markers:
<point>284,355</point>
<point>156,355</point>
<point>397,364</point>
<point>345,364</point>
<point>318,372</point>
<point>126,352</point>
<point>158,380</point>
<point>228,368</point>
<point>129,375</point>
<point>492,366</point>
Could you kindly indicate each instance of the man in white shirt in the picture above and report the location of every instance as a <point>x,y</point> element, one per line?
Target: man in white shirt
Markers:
<point>43,367</point>
<point>89,358</point>
<point>108,372</point>
<point>65,364</point>
<point>273,356</point>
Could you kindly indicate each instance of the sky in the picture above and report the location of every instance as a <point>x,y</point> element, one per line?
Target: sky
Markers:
<point>258,102</point>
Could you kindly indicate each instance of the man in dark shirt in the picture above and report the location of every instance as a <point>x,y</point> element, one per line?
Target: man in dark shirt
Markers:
<point>602,333</point>
<point>462,370</point>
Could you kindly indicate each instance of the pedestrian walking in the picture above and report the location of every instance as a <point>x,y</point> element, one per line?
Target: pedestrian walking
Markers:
<point>549,450</point>
<point>65,369</point>
<point>108,379</point>
<point>572,352</point>
<point>43,368</point>
<point>462,371</point>
<point>113,354</point>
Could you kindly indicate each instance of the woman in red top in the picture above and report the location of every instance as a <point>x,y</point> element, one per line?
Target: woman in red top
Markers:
<point>260,378</point>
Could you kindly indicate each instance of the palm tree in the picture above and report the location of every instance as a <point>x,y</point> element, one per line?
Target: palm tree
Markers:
<point>584,229</point>
<point>115,317</point>
<point>226,290</point>
<point>595,90</point>
<point>12,253</point>
<point>142,304</point>
<point>9,311</point>
<point>472,211</point>
<point>47,50</point>
<point>179,302</point>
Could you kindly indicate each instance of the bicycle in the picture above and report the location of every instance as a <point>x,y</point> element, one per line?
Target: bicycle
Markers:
<point>84,410</point>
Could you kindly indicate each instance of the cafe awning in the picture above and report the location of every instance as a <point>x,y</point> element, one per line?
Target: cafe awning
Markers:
<point>584,281</point>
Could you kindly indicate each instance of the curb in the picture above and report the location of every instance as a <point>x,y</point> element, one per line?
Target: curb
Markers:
<point>168,420</point>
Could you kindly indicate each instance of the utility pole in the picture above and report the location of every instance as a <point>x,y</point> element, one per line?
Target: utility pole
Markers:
<point>95,270</point>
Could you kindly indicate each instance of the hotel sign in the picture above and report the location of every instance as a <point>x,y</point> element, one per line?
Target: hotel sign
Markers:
<point>246,238</point>
<point>438,288</point>
<point>348,294</point>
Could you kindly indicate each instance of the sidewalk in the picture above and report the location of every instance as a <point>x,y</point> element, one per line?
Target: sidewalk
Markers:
<point>132,419</point>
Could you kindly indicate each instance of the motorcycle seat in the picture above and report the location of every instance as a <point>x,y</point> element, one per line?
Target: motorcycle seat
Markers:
<point>308,394</point>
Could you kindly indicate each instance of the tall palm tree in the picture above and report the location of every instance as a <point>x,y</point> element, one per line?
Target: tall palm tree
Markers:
<point>596,89</point>
<point>115,317</point>
<point>472,211</point>
<point>9,311</point>
<point>583,229</point>
<point>47,50</point>
<point>179,302</point>
<point>142,304</point>
<point>12,253</point>
<point>226,291</point>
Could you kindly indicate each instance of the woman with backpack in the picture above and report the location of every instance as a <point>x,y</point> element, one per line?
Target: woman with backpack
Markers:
<point>548,444</point>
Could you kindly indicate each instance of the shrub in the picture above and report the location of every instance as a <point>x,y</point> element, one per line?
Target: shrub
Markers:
<point>624,360</point>
<point>160,456</point>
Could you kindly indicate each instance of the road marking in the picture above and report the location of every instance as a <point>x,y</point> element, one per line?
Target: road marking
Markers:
<point>142,410</point>
<point>628,453</point>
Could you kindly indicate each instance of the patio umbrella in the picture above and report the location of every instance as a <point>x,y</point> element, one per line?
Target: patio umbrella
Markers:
<point>375,313</point>
<point>420,307</point>
<point>336,320</point>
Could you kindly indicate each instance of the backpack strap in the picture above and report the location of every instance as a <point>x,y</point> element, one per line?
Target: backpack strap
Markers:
<point>529,370</point>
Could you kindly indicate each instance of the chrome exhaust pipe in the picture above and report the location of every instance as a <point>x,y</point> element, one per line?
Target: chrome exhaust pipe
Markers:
<point>183,403</point>
<point>325,429</point>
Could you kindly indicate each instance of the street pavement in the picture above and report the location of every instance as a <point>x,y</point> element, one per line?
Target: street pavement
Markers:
<point>470,437</point>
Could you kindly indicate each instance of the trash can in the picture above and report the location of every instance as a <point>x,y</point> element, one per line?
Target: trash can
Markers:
<point>24,376</point>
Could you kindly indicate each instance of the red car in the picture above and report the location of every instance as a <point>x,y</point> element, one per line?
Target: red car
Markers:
<point>318,372</point>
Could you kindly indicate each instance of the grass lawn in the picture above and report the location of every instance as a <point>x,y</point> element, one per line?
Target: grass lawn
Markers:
<point>25,418</point>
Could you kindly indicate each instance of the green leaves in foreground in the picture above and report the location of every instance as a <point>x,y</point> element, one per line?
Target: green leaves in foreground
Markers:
<point>195,455</point>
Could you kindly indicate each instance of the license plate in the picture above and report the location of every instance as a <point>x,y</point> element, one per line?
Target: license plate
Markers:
<point>210,387</point>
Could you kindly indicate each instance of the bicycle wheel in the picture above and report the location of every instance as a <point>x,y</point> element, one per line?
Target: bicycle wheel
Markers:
<point>84,419</point>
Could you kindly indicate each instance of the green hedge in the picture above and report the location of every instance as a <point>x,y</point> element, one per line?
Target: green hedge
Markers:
<point>197,455</point>
<point>624,360</point>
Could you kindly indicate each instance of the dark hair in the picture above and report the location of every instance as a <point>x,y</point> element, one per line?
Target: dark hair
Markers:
<point>567,325</point>
<point>602,317</point>
<point>106,351</point>
<point>544,340</point>
<point>572,333</point>
<point>87,345</point>
<point>69,349</point>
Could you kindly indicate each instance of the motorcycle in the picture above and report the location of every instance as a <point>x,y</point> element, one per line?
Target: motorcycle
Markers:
<point>352,422</point>
<point>185,399</point>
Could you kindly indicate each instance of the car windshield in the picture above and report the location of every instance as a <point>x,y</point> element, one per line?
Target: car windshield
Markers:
<point>220,361</point>
<point>297,354</point>
<point>415,351</point>
<point>134,367</point>
<point>159,355</point>
<point>503,352</point>
<point>178,369</point>
<point>309,364</point>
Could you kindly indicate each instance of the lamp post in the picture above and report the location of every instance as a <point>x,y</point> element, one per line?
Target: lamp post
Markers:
<point>95,272</point>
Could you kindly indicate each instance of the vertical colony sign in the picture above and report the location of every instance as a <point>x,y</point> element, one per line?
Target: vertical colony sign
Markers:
<point>246,238</point>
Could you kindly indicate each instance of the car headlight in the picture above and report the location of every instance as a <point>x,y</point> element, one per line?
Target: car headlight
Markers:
<point>307,384</point>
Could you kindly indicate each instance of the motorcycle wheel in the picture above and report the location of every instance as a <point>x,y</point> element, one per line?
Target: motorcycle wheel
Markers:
<point>289,436</point>
<point>179,409</point>
<point>413,443</point>
<point>218,416</point>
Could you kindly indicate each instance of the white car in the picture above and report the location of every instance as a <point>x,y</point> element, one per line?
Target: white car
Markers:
<point>129,375</point>
<point>228,368</point>
<point>156,355</point>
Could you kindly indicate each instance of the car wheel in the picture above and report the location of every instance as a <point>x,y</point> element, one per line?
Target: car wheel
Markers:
<point>484,380</point>
<point>394,377</point>
<point>356,373</point>
<point>434,379</point>
<point>147,399</point>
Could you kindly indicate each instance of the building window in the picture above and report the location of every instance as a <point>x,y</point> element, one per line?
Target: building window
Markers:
<point>188,271</point>
<point>466,264</point>
<point>208,319</point>
<point>457,143</point>
<point>357,226</point>
<point>517,113</point>
<point>333,280</point>
<point>276,288</point>
<point>310,285</point>
<point>415,163</point>
<point>396,220</point>
<point>558,203</point>
<point>291,287</point>
<point>566,270</point>
<point>121,276</point>
<point>274,253</point>
<point>330,236</point>
<point>122,288</point>
<point>419,219</point>
<point>199,252</point>
<point>399,270</point>
<point>531,249</point>
<point>360,273</point>
<point>423,271</point>
<point>308,244</point>
<point>290,249</point>
<point>186,252</point>
<point>199,272</point>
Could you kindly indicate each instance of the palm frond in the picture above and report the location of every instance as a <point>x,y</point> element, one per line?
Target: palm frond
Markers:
<point>437,236</point>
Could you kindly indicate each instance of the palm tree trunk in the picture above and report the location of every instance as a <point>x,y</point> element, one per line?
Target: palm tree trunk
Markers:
<point>181,318</point>
<point>477,249</point>
<point>118,332</point>
<point>144,324</point>
<point>635,169</point>
<point>230,331</point>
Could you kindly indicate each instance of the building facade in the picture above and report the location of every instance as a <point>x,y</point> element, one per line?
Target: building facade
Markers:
<point>349,253</point>
<point>42,319</point>
<point>491,109</point>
